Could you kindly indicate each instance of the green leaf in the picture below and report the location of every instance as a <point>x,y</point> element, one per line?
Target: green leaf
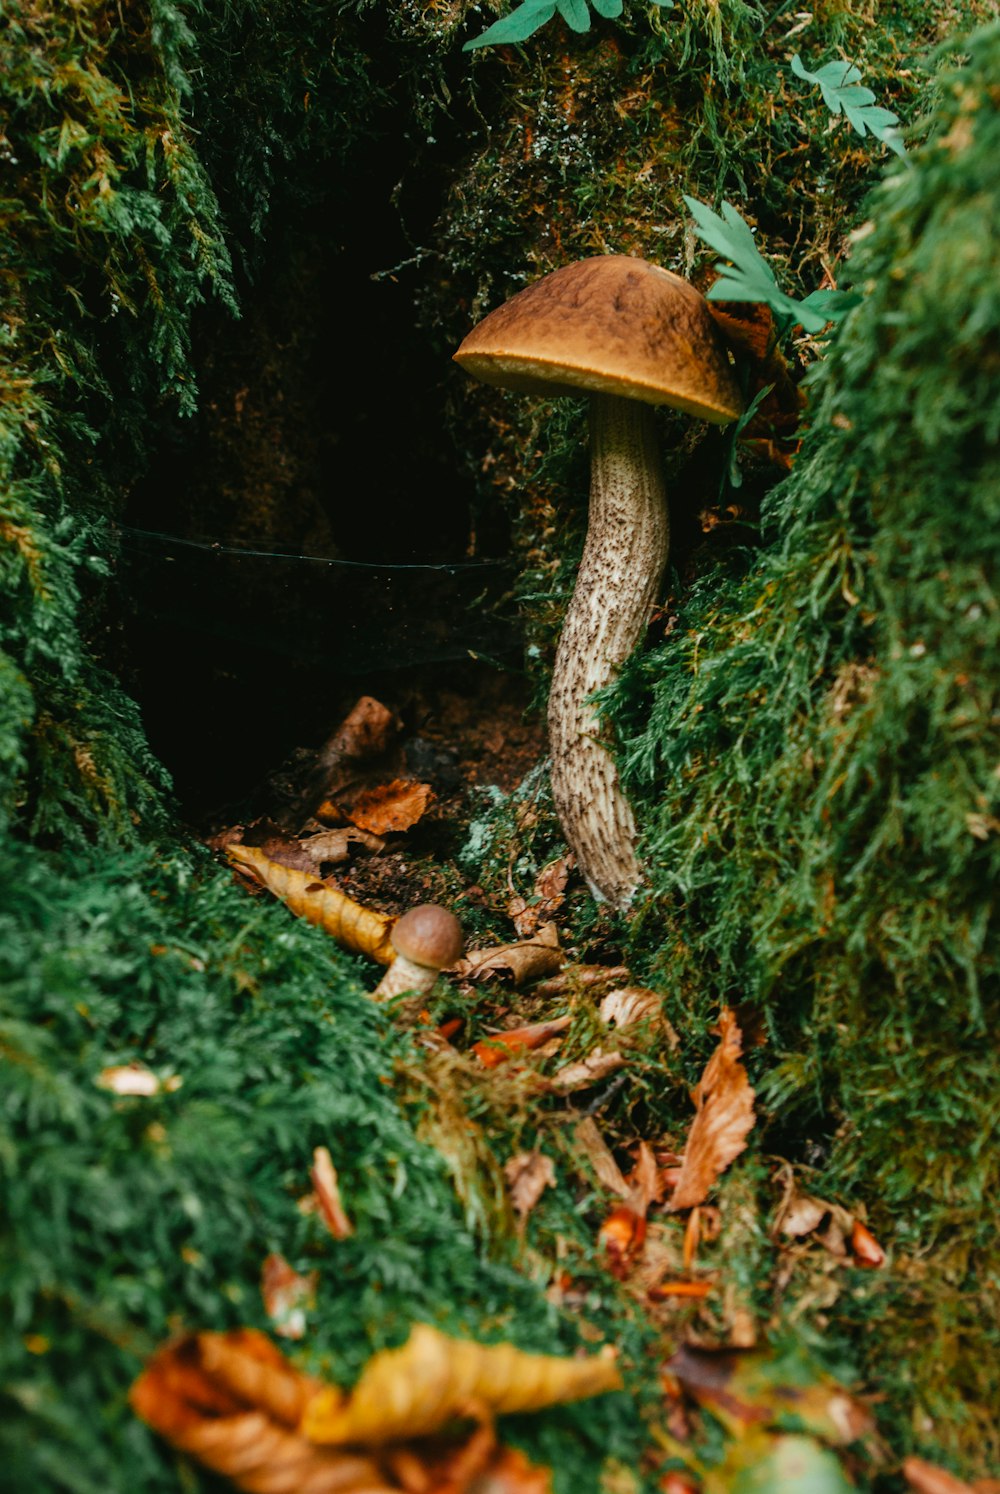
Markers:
<point>750,278</point>
<point>760,1463</point>
<point>609,9</point>
<point>516,27</point>
<point>839,83</point>
<point>575,14</point>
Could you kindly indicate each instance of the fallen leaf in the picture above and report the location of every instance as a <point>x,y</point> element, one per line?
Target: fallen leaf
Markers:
<point>623,1233</point>
<point>501,1046</point>
<point>630,1005</point>
<point>801,1215</point>
<point>928,1478</point>
<point>550,888</point>
<point>596,1066</point>
<point>725,1115</point>
<point>389,807</point>
<point>865,1248</point>
<point>286,1296</point>
<point>336,845</point>
<point>354,927</point>
<point>366,732</point>
<point>528,1175</point>
<point>233,1401</point>
<point>597,1152</point>
<point>417,1389</point>
<point>575,978</point>
<point>662,1291</point>
<point>744,1389</point>
<point>527,960</point>
<point>327,1186</point>
<point>135,1079</point>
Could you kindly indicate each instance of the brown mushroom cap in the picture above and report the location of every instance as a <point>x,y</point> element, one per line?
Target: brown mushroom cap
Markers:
<point>615,324</point>
<point>428,935</point>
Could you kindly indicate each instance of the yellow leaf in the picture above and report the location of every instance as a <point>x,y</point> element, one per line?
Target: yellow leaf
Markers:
<point>356,928</point>
<point>432,1380</point>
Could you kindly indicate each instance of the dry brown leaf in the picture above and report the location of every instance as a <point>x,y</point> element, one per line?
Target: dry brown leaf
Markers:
<point>575,978</point>
<point>928,1478</point>
<point>336,845</point>
<point>366,732</point>
<point>623,1233</point>
<point>327,1195</point>
<point>501,1046</point>
<point>418,1389</point>
<point>389,807</point>
<point>725,1115</point>
<point>237,1410</point>
<point>234,1402</point>
<point>286,1296</point>
<point>597,1065</point>
<point>356,928</point>
<point>550,888</point>
<point>801,1214</point>
<point>597,1152</point>
<point>525,961</point>
<point>528,1175</point>
<point>135,1079</point>
<point>630,1005</point>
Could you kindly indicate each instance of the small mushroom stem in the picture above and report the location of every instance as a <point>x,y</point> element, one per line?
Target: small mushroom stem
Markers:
<point>405,975</point>
<point>623,561</point>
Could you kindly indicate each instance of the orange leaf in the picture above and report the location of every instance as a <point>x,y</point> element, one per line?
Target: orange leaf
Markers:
<point>324,1179</point>
<point>621,1237</point>
<point>666,1289</point>
<point>354,927</point>
<point>928,1478</point>
<point>725,1115</point>
<point>864,1247</point>
<point>390,806</point>
<point>500,1046</point>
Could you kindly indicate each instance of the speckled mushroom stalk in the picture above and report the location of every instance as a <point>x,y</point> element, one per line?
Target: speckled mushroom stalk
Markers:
<point>630,335</point>
<point>623,559</point>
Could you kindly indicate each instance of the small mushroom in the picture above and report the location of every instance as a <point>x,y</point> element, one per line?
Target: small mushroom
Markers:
<point>427,940</point>
<point>632,335</point>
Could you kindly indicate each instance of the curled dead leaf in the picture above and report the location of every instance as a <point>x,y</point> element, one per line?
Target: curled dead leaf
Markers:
<point>630,1005</point>
<point>725,1115</point>
<point>575,978</point>
<point>591,1143</point>
<point>550,888</point>
<point>525,961</point>
<point>528,1175</point>
<point>417,1389</point>
<point>354,927</point>
<point>334,846</point>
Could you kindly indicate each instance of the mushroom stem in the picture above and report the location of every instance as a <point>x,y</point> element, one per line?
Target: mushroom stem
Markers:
<point>405,975</point>
<point>623,560</point>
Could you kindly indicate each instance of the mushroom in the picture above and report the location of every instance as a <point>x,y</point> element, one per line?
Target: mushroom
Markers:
<point>632,335</point>
<point>427,940</point>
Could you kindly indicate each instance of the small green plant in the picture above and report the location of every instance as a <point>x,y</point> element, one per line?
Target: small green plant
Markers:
<point>843,93</point>
<point>532,15</point>
<point>748,276</point>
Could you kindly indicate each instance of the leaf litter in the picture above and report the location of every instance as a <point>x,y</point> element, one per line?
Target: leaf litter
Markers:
<point>639,1240</point>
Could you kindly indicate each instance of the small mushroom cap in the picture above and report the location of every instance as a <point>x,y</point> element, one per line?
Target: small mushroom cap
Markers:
<point>614,324</point>
<point>428,935</point>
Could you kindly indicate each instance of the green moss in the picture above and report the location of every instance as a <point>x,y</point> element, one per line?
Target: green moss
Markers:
<point>818,771</point>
